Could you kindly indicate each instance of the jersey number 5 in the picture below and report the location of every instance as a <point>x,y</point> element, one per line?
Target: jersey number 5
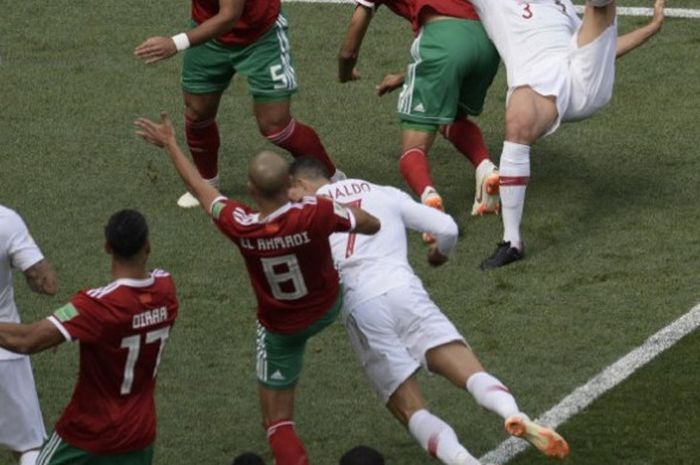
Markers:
<point>133,343</point>
<point>292,275</point>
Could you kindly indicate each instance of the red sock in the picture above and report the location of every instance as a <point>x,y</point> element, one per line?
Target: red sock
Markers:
<point>466,136</point>
<point>415,169</point>
<point>299,140</point>
<point>286,446</point>
<point>203,140</point>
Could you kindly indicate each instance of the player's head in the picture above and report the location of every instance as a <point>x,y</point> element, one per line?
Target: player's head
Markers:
<point>307,175</point>
<point>248,458</point>
<point>362,455</point>
<point>268,176</point>
<point>126,236</point>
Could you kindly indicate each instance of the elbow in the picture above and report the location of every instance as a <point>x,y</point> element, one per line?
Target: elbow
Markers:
<point>374,226</point>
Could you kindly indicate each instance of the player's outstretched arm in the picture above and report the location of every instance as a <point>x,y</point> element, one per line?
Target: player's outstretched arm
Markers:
<point>350,49</point>
<point>29,338</point>
<point>160,48</point>
<point>628,42</point>
<point>41,278</point>
<point>163,135</point>
<point>365,223</point>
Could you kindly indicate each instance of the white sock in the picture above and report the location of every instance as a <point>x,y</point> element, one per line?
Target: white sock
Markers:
<point>515,174</point>
<point>439,439</point>
<point>491,394</point>
<point>29,457</point>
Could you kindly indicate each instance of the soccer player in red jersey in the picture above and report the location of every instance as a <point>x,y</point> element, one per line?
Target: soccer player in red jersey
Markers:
<point>122,329</point>
<point>288,257</point>
<point>228,37</point>
<point>453,65</point>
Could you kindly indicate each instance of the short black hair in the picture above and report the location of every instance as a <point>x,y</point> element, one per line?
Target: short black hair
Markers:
<point>309,168</point>
<point>126,233</point>
<point>362,455</point>
<point>248,458</point>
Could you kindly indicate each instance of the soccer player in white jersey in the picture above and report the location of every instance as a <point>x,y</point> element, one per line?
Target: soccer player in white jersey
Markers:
<point>21,425</point>
<point>393,325</point>
<point>559,68</point>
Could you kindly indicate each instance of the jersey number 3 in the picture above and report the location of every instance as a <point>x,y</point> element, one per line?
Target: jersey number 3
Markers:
<point>133,343</point>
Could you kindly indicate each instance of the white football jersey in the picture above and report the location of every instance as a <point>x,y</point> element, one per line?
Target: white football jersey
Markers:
<point>17,250</point>
<point>372,265</point>
<point>529,34</point>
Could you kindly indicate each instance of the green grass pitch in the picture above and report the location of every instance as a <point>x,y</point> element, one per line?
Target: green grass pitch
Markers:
<point>611,224</point>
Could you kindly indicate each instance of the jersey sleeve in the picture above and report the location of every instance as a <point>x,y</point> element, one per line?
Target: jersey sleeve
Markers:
<point>372,5</point>
<point>79,319</point>
<point>422,218</point>
<point>228,215</point>
<point>21,247</point>
<point>333,217</point>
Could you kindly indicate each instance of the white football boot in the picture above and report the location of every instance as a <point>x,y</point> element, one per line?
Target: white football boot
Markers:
<point>188,200</point>
<point>486,198</point>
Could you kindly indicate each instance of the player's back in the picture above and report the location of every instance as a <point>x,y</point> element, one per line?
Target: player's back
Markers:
<point>372,265</point>
<point>528,33</point>
<point>288,257</point>
<point>123,329</point>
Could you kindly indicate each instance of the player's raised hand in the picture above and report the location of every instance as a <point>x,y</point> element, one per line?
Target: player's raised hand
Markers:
<point>389,84</point>
<point>658,17</point>
<point>160,135</point>
<point>155,49</point>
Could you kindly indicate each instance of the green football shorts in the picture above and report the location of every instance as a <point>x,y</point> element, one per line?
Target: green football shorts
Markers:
<point>266,63</point>
<point>453,65</point>
<point>58,452</point>
<point>281,356</point>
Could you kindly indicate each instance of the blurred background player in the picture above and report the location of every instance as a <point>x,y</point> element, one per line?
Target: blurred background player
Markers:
<point>288,258</point>
<point>560,68</point>
<point>21,424</point>
<point>453,65</point>
<point>228,37</point>
<point>362,455</point>
<point>122,329</point>
<point>395,328</point>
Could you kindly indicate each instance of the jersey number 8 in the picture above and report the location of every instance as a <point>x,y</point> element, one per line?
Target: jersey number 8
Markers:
<point>292,275</point>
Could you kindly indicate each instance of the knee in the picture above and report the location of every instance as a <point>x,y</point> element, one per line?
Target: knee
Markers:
<point>520,128</point>
<point>271,122</point>
<point>196,112</point>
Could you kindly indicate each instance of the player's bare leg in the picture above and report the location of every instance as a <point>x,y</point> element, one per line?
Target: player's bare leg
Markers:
<point>598,15</point>
<point>456,362</point>
<point>276,123</point>
<point>468,139</point>
<point>278,411</point>
<point>432,433</point>
<point>202,134</point>
<point>415,168</point>
<point>529,115</point>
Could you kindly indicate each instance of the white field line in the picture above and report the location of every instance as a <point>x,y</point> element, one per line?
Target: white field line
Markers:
<point>607,379</point>
<point>621,10</point>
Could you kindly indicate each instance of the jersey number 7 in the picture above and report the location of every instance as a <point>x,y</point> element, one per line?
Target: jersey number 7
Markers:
<point>133,343</point>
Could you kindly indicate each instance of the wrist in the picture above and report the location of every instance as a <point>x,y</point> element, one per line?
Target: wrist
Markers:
<point>182,42</point>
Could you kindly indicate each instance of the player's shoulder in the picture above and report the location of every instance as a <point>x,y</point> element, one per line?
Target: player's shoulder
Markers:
<point>10,220</point>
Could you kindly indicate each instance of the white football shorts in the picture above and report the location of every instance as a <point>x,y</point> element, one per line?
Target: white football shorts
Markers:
<point>21,423</point>
<point>592,71</point>
<point>391,334</point>
<point>584,84</point>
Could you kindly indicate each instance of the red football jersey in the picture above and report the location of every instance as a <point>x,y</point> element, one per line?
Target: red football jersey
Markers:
<point>288,257</point>
<point>122,329</point>
<point>416,11</point>
<point>257,18</point>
